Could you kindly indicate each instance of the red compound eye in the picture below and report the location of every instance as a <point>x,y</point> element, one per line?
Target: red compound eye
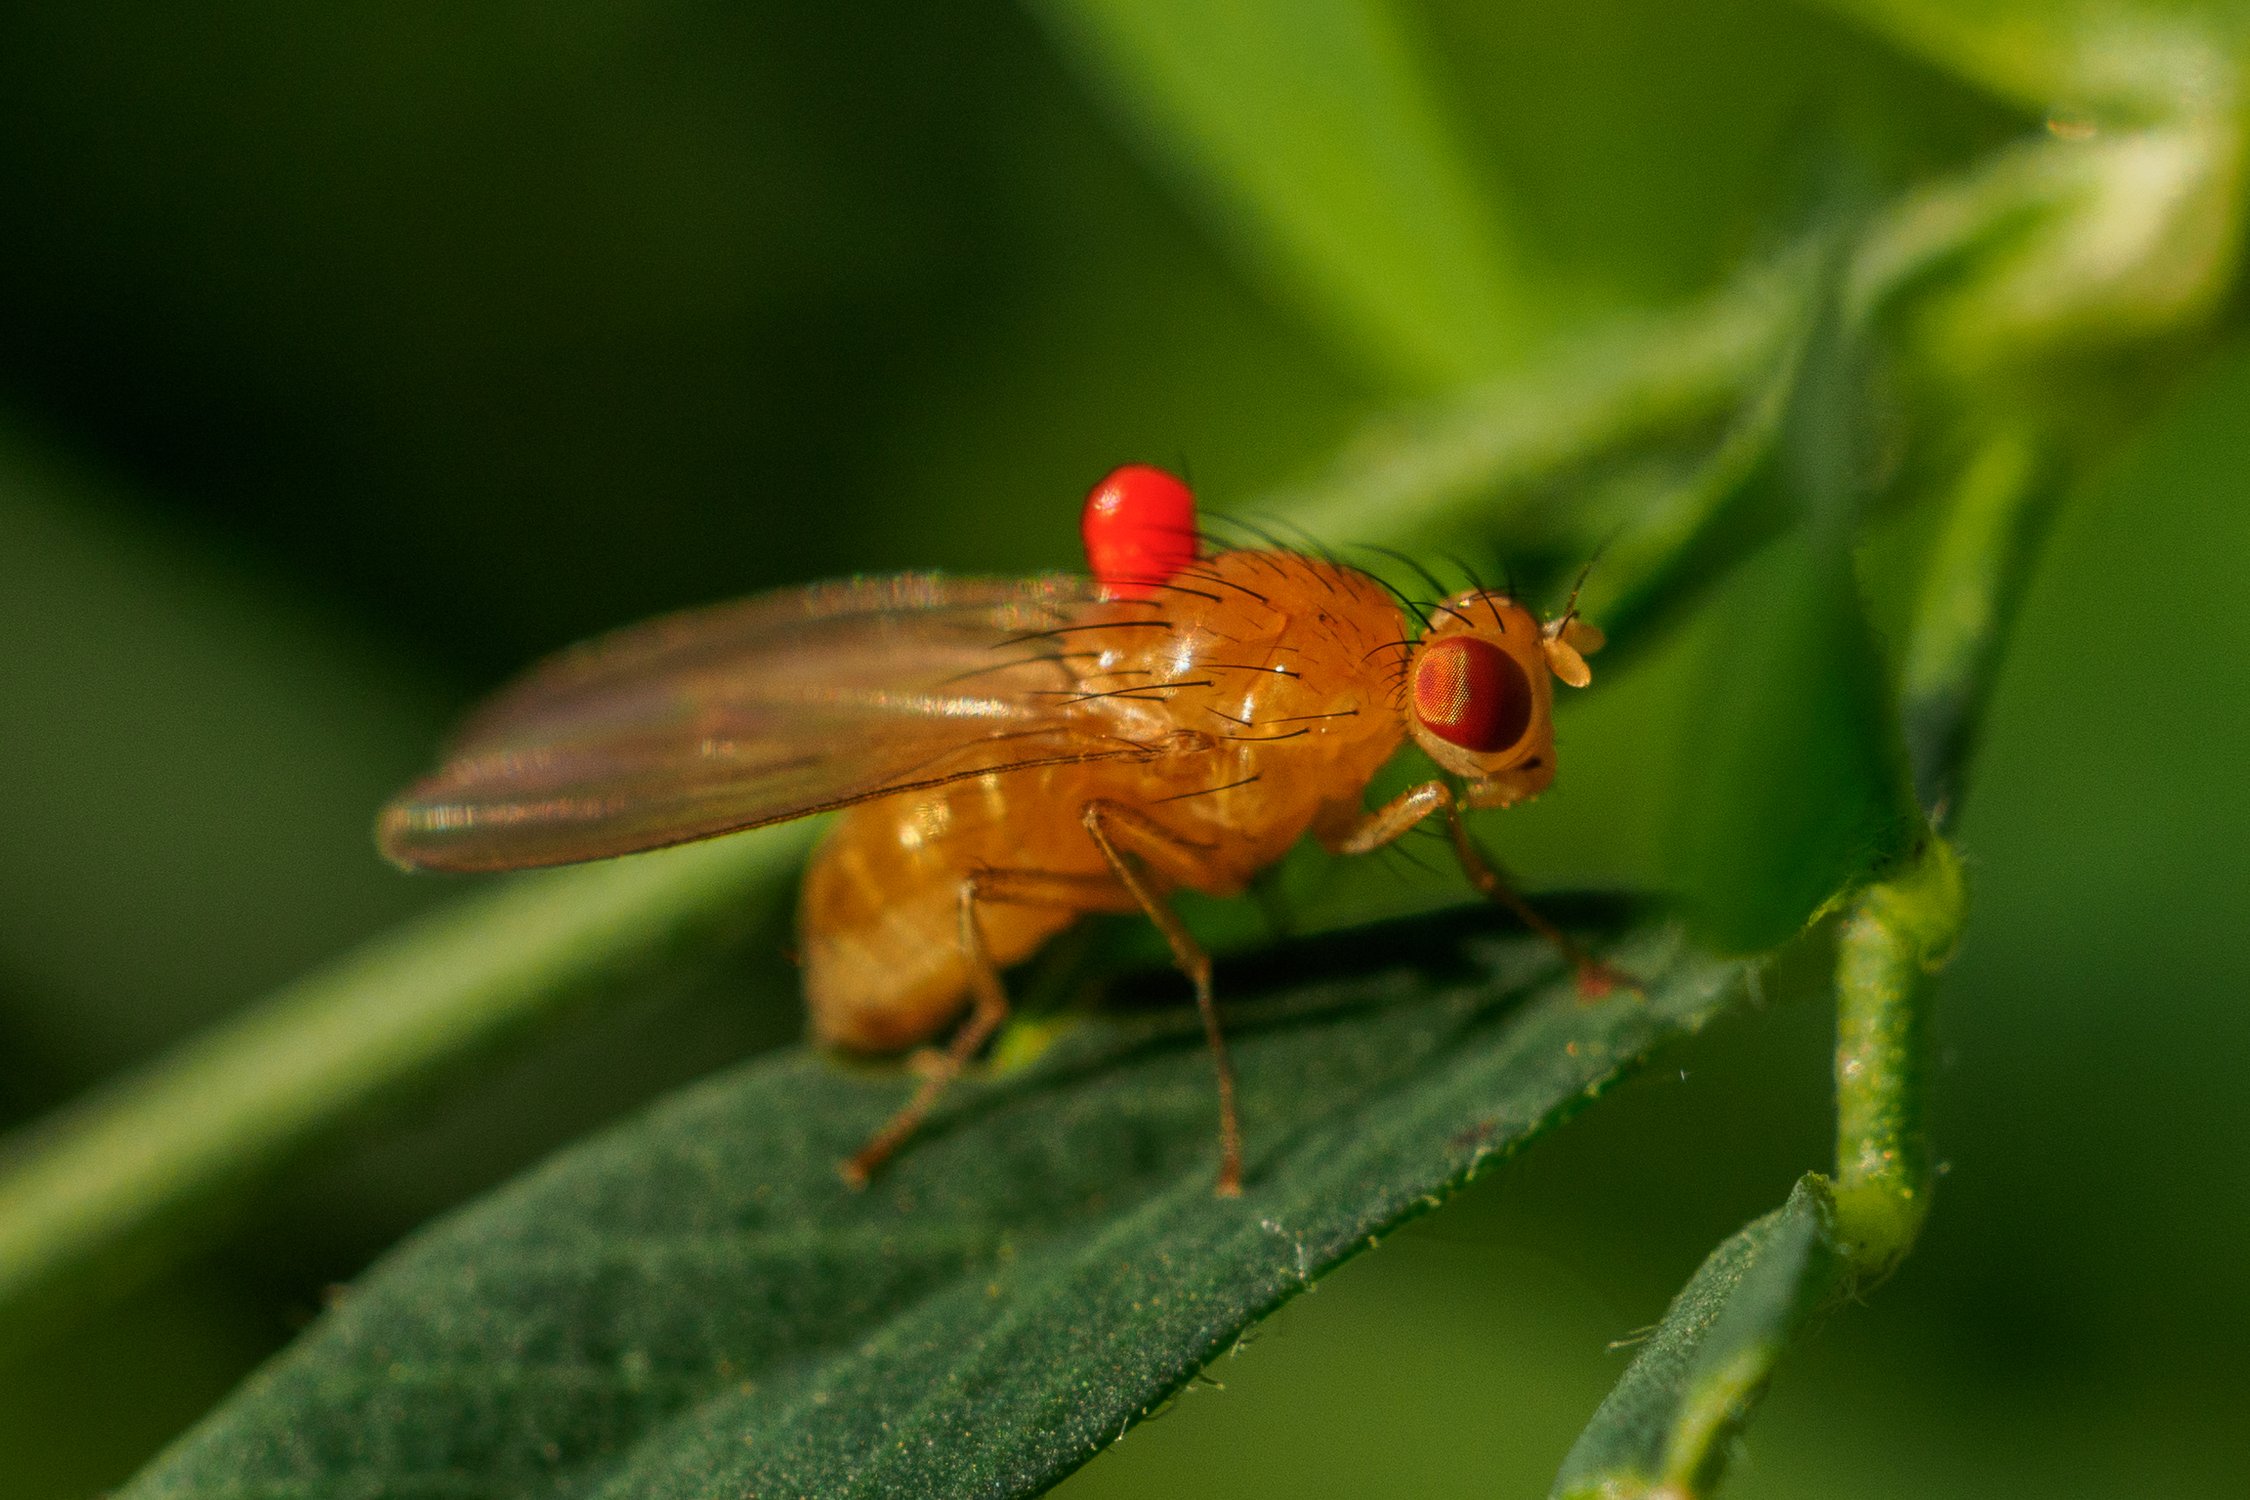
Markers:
<point>1470,693</point>
<point>1139,525</point>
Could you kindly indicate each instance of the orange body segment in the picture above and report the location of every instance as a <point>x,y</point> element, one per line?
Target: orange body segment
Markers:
<point>1260,703</point>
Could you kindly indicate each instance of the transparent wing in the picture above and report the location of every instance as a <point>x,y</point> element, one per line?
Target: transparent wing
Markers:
<point>756,712</point>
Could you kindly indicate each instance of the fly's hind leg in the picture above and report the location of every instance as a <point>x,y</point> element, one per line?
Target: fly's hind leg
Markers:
<point>1106,822</point>
<point>1371,831</point>
<point>988,1009</point>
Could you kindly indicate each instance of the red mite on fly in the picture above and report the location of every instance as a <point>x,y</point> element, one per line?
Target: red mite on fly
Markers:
<point>1009,755</point>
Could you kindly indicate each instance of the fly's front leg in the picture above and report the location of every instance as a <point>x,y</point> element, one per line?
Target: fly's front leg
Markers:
<point>988,1009</point>
<point>1109,822</point>
<point>1356,831</point>
<point>1595,978</point>
<point>1393,819</point>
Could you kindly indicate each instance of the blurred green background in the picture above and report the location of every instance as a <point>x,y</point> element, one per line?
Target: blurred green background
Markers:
<point>350,355</point>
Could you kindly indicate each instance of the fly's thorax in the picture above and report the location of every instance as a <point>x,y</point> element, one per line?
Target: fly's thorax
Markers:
<point>1266,687</point>
<point>1275,648</point>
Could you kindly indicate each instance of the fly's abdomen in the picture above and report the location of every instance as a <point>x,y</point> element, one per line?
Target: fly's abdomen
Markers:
<point>880,922</point>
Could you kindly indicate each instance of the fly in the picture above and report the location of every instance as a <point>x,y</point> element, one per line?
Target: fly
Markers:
<point>994,779</point>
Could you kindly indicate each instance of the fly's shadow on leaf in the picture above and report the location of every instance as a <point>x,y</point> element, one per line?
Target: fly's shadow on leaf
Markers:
<point>693,1303</point>
<point>1308,982</point>
<point>1454,945</point>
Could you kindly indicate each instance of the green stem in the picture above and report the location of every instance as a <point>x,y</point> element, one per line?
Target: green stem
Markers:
<point>1899,930</point>
<point>1976,574</point>
<point>1895,935</point>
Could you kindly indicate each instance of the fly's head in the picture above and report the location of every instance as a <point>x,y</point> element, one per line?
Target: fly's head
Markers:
<point>1480,695</point>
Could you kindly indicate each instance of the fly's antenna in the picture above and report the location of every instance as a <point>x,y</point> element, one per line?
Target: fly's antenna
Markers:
<point>1561,622</point>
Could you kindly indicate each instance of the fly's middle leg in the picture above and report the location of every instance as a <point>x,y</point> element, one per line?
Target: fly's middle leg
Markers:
<point>988,1008</point>
<point>1108,823</point>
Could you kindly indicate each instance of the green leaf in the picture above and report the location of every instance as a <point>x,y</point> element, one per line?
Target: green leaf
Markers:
<point>1316,140</point>
<point>694,1305</point>
<point>1667,1427</point>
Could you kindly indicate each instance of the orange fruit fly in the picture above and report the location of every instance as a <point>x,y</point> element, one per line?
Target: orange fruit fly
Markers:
<point>1009,755</point>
